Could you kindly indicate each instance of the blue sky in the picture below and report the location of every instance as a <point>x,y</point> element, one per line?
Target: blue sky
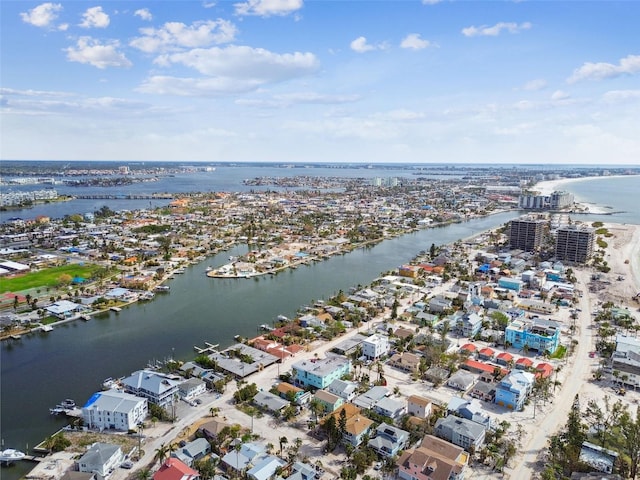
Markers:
<point>333,81</point>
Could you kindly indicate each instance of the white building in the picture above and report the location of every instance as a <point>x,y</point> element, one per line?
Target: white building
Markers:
<point>115,410</point>
<point>375,346</point>
<point>156,387</point>
<point>191,388</point>
<point>101,458</point>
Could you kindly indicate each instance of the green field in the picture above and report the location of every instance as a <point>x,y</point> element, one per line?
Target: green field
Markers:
<point>48,278</point>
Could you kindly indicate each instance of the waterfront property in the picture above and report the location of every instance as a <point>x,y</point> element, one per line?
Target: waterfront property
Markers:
<point>535,334</point>
<point>319,373</point>
<point>115,410</point>
<point>101,458</point>
<point>156,387</point>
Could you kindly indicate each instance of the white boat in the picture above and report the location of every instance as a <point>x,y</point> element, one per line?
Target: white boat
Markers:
<point>162,288</point>
<point>146,296</point>
<point>115,309</point>
<point>11,455</point>
<point>46,328</point>
<point>85,317</point>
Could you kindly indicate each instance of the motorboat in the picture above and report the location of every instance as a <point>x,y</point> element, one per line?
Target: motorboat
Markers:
<point>11,455</point>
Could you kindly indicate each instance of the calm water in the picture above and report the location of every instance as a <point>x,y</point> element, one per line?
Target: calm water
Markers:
<point>72,361</point>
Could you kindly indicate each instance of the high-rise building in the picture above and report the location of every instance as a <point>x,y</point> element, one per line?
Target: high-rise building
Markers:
<point>526,233</point>
<point>560,200</point>
<point>575,243</point>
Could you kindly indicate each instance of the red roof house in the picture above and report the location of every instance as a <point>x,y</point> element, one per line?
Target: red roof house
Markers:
<point>174,469</point>
<point>504,358</point>
<point>523,363</point>
<point>486,353</point>
<point>468,347</point>
<point>544,370</point>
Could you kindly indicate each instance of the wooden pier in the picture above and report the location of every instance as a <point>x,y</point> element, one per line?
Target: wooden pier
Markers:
<point>208,348</point>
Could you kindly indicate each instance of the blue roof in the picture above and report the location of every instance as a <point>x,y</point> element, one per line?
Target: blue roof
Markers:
<point>484,268</point>
<point>92,400</point>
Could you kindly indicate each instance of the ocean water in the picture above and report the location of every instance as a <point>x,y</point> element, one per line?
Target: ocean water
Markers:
<point>617,195</point>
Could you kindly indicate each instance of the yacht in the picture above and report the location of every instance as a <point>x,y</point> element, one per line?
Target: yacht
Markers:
<point>11,455</point>
<point>162,288</point>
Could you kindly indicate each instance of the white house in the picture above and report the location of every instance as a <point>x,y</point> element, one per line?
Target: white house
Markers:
<point>115,410</point>
<point>101,458</point>
<point>191,388</point>
<point>375,346</point>
<point>156,387</point>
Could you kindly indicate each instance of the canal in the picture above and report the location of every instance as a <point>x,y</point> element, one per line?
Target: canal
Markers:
<point>41,370</point>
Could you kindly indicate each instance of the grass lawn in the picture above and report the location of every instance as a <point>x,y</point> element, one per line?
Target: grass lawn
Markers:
<point>48,277</point>
<point>560,352</point>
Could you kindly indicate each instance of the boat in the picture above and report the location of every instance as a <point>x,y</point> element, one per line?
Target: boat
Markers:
<point>162,288</point>
<point>115,309</point>
<point>179,270</point>
<point>266,327</point>
<point>63,407</point>
<point>85,317</point>
<point>46,328</point>
<point>11,455</point>
<point>209,268</point>
<point>146,296</point>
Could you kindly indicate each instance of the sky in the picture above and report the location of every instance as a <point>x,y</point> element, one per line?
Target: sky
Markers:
<point>397,81</point>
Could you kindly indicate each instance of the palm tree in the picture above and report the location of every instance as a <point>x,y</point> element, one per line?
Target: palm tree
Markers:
<point>283,441</point>
<point>161,452</point>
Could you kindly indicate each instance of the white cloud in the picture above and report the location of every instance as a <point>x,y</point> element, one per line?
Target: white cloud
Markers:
<point>243,62</point>
<point>559,95</point>
<point>430,2</point>
<point>361,45</point>
<point>174,35</point>
<point>298,98</point>
<point>92,52</point>
<point>234,69</point>
<point>496,29</point>
<point>267,8</point>
<point>94,17</point>
<point>535,85</point>
<point>602,70</point>
<point>43,15</point>
<point>144,14</point>
<point>413,41</point>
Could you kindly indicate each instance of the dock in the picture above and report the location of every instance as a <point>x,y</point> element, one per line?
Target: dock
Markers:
<point>208,348</point>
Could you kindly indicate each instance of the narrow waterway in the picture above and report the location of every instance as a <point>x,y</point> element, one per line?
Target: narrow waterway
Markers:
<point>71,361</point>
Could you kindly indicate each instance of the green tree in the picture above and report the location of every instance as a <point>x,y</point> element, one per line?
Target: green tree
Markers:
<point>283,441</point>
<point>630,430</point>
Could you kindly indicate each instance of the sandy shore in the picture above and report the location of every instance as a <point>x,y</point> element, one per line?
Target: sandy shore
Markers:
<point>623,256</point>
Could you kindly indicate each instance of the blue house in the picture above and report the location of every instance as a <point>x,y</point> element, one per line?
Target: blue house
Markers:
<point>536,334</point>
<point>510,283</point>
<point>512,391</point>
<point>389,440</point>
<point>319,373</point>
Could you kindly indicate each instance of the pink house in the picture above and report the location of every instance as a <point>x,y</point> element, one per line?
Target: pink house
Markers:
<point>174,469</point>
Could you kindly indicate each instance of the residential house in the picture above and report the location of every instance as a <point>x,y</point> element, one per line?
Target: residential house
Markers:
<point>212,429</point>
<point>418,406</point>
<point>484,391</point>
<point>115,410</point>
<point>371,397</point>
<point>302,471</point>
<point>390,407</point>
<point>439,305</point>
<point>319,373</point>
<point>469,409</point>
<point>173,469</point>
<point>486,354</point>
<point>405,361</point>
<point>437,375</point>
<point>101,458</point>
<point>512,391</point>
<point>375,346</point>
<point>461,380</point>
<point>265,467</point>
<point>191,388</point>
<point>156,387</point>
<point>626,360</point>
<point>358,425</point>
<point>240,460</point>
<point>269,401</point>
<point>535,334</point>
<point>504,358</point>
<point>434,459</point>
<point>388,440</point>
<point>469,325</point>
<point>345,389</point>
<point>65,309</point>
<point>524,363</point>
<point>460,431</point>
<point>291,392</point>
<point>192,451</point>
<point>329,401</point>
